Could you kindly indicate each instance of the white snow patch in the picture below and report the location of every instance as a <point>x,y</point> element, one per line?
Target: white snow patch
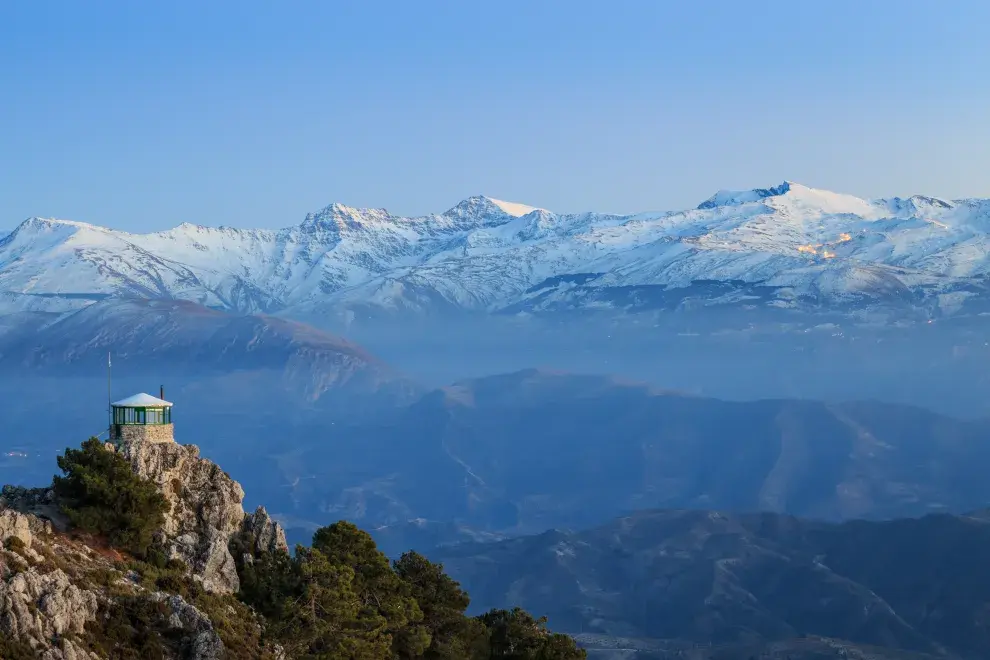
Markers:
<point>514,209</point>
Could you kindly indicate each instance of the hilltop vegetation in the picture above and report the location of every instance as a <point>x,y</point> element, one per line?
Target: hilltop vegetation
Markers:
<point>341,598</point>
<point>118,594</point>
<point>101,494</point>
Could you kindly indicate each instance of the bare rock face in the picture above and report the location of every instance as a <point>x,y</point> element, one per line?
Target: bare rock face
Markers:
<point>265,534</point>
<point>199,639</point>
<point>38,603</point>
<point>14,524</point>
<point>38,505</point>
<point>205,511</point>
<point>205,508</point>
<point>40,607</point>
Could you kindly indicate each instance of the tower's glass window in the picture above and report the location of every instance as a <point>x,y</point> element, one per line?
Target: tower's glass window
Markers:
<point>142,415</point>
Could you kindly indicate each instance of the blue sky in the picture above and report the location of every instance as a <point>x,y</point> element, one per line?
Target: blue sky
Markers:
<point>140,116</point>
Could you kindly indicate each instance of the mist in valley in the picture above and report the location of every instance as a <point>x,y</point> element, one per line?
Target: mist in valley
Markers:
<point>422,473</point>
<point>942,366</point>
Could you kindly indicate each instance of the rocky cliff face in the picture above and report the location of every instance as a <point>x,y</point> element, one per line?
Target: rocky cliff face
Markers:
<point>56,593</point>
<point>62,592</point>
<point>39,603</point>
<point>205,511</point>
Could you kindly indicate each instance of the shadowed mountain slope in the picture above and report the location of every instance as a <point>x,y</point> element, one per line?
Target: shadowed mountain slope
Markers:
<point>742,582</point>
<point>528,451</point>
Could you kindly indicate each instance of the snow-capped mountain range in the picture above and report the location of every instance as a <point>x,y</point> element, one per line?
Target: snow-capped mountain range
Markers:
<point>785,247</point>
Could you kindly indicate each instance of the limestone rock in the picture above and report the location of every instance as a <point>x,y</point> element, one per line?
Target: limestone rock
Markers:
<point>200,640</point>
<point>48,590</point>
<point>266,535</point>
<point>204,508</point>
<point>15,525</point>
<point>41,607</point>
<point>67,650</point>
<point>38,502</point>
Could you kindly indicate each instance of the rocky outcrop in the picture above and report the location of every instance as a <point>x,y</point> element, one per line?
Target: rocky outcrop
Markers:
<point>50,613</point>
<point>204,508</point>
<point>41,607</point>
<point>39,506</point>
<point>63,591</point>
<point>15,525</point>
<point>39,602</point>
<point>199,640</point>
<point>205,511</point>
<point>263,533</point>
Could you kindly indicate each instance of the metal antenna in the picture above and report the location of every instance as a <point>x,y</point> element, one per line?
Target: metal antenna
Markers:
<point>109,400</point>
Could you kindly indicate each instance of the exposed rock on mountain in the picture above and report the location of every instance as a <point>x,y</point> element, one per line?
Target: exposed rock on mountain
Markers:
<point>15,525</point>
<point>58,590</point>
<point>38,605</point>
<point>201,640</point>
<point>263,533</point>
<point>204,508</point>
<point>52,598</point>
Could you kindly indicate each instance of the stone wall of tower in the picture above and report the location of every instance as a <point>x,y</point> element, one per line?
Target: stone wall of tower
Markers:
<point>146,433</point>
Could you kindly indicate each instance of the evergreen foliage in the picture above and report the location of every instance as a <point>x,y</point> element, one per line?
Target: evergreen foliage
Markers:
<point>342,599</point>
<point>267,581</point>
<point>516,635</point>
<point>386,601</point>
<point>100,493</point>
<point>452,635</point>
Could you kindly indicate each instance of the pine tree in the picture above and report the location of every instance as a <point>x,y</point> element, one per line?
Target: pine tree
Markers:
<point>452,635</point>
<point>100,493</point>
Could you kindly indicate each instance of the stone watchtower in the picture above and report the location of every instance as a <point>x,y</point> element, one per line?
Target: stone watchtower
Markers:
<point>141,417</point>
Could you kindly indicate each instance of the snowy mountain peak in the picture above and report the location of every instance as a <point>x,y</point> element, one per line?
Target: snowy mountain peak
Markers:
<point>338,217</point>
<point>38,223</point>
<point>794,196</point>
<point>737,197</point>
<point>37,231</point>
<point>488,254</point>
<point>477,211</point>
<point>514,209</point>
<point>917,204</point>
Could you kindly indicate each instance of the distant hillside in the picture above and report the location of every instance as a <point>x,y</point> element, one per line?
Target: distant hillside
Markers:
<point>176,338</point>
<point>746,584</point>
<point>533,450</point>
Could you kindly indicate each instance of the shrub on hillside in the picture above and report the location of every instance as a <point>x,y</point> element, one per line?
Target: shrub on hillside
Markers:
<point>100,493</point>
<point>13,649</point>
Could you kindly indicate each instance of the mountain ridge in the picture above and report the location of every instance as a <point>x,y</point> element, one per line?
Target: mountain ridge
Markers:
<point>735,585</point>
<point>805,247</point>
<point>522,452</point>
